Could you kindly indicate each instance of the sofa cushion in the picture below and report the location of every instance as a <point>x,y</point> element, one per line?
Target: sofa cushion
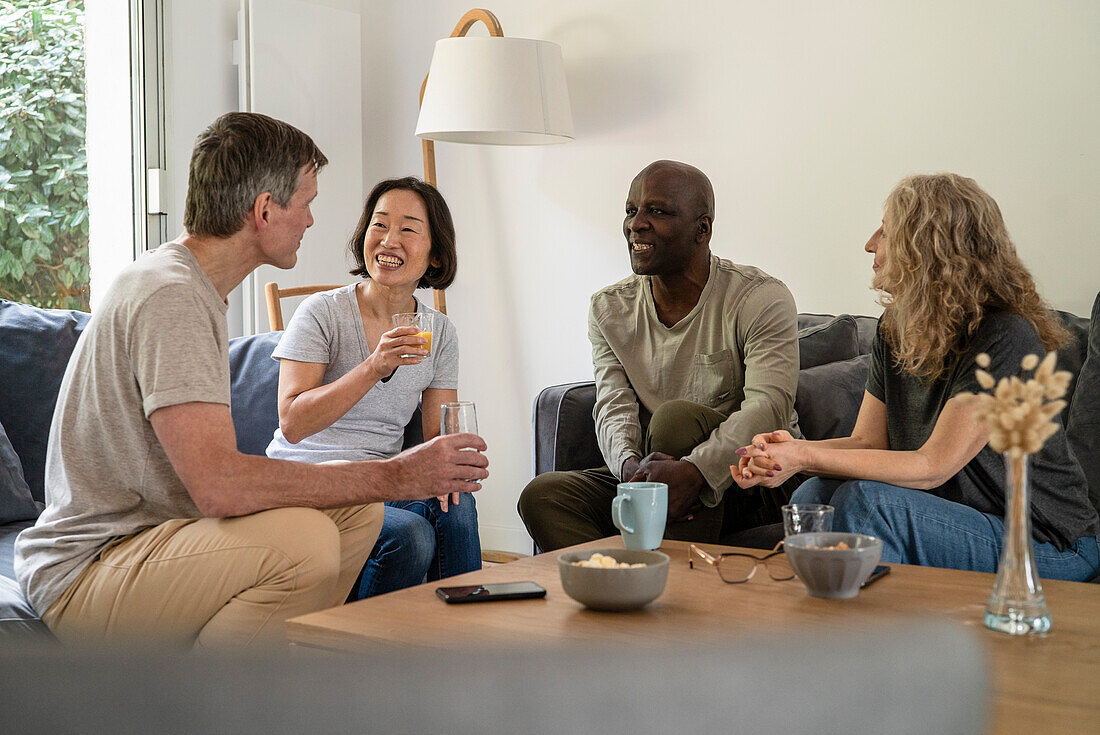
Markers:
<point>1083,427</point>
<point>1071,355</point>
<point>16,503</point>
<point>829,397</point>
<point>34,352</point>
<point>834,340</point>
<point>254,390</point>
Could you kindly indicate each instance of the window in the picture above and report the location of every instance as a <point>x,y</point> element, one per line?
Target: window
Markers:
<point>43,167</point>
<point>74,208</point>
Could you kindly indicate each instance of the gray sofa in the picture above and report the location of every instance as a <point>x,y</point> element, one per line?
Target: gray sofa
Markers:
<point>834,355</point>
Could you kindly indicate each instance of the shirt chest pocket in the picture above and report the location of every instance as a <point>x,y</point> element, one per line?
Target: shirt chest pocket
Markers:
<point>712,378</point>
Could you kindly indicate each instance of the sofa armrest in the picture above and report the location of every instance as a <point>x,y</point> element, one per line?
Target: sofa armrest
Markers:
<point>564,430</point>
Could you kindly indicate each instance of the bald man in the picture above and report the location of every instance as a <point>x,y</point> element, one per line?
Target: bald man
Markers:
<point>693,356</point>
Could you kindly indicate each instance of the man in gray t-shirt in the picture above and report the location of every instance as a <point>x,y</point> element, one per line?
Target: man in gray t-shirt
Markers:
<point>155,525</point>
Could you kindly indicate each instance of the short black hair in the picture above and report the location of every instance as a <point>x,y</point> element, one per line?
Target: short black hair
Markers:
<point>440,226</point>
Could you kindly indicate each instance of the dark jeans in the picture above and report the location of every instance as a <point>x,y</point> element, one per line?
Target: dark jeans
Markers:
<point>920,528</point>
<point>566,508</point>
<point>418,540</point>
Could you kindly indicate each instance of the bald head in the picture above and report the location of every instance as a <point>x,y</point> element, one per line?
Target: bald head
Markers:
<point>669,211</point>
<point>696,187</point>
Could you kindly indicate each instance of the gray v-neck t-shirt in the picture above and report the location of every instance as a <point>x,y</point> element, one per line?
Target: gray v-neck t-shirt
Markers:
<point>328,328</point>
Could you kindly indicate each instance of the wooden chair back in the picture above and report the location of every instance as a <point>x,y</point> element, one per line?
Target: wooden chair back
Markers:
<point>275,296</point>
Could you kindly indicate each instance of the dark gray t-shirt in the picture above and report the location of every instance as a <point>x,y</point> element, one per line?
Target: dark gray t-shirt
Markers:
<point>1060,508</point>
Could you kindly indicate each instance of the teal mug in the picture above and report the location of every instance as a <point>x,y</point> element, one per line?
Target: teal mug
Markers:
<point>639,511</point>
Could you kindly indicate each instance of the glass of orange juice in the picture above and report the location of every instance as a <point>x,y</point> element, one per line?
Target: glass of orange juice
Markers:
<point>423,323</point>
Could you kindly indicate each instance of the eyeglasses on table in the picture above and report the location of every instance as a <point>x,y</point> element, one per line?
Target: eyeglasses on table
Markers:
<point>735,567</point>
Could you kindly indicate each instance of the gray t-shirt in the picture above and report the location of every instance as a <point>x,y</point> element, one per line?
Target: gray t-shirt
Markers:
<point>328,328</point>
<point>1060,509</point>
<point>158,339</point>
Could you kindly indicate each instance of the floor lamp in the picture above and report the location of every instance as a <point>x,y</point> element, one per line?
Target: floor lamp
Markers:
<point>491,91</point>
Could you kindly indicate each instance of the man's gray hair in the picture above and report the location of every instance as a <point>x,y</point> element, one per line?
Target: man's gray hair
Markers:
<point>240,156</point>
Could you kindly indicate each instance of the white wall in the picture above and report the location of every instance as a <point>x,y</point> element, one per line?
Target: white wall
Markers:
<point>803,114</point>
<point>201,85</point>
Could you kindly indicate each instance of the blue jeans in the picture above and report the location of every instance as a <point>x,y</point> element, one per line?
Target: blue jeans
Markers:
<point>418,540</point>
<point>919,528</point>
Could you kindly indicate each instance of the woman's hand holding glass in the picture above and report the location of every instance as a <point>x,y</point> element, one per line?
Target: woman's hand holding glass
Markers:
<point>770,460</point>
<point>397,347</point>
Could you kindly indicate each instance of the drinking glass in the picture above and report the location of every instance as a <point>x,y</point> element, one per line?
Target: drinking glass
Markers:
<point>807,517</point>
<point>423,323</point>
<point>458,417</point>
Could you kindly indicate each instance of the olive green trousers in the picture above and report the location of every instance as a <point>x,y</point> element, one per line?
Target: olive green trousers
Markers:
<point>566,508</point>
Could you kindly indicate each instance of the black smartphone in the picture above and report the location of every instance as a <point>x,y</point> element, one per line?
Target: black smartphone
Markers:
<point>880,571</point>
<point>490,592</point>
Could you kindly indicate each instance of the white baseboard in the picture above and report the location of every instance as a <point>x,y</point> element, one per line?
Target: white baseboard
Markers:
<point>505,538</point>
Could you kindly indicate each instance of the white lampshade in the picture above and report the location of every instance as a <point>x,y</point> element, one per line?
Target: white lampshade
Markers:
<point>496,91</point>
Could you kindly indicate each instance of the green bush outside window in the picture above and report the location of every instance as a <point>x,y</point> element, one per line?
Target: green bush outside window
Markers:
<point>43,166</point>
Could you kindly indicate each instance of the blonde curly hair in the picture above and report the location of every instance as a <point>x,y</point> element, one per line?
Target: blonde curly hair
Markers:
<point>949,260</point>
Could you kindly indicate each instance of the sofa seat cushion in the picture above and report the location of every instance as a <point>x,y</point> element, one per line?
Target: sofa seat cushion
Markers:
<point>831,341</point>
<point>829,397</point>
<point>8,532</point>
<point>19,623</point>
<point>34,352</point>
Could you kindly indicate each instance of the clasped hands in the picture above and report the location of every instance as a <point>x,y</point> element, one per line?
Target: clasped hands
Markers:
<point>769,460</point>
<point>684,481</point>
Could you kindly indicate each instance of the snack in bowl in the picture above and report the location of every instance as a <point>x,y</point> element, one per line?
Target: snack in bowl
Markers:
<point>833,564</point>
<point>600,561</point>
<point>637,578</point>
<point>839,545</point>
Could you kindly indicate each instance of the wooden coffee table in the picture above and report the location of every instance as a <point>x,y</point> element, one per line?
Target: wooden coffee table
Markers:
<point>1042,684</point>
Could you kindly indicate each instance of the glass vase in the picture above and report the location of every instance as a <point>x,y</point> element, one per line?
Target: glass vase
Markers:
<point>1017,605</point>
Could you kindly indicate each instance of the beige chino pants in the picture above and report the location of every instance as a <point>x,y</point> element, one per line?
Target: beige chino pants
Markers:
<point>216,582</point>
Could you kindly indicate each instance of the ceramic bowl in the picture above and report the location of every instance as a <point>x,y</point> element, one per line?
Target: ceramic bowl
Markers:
<point>614,589</point>
<point>832,573</point>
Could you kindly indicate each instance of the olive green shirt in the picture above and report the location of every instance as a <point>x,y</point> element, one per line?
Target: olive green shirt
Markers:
<point>736,352</point>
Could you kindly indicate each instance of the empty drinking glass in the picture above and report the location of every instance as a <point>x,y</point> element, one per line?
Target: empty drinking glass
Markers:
<point>807,517</point>
<point>457,417</point>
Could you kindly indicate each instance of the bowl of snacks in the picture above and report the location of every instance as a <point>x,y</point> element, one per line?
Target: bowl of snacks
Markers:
<point>613,579</point>
<point>833,564</point>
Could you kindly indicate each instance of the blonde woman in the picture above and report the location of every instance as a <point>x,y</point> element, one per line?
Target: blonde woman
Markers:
<point>928,484</point>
